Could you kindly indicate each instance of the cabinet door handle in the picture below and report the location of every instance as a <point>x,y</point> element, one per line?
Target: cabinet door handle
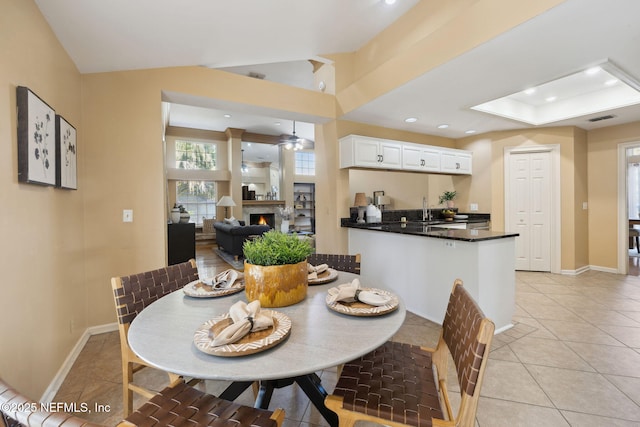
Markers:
<point>457,165</point>
<point>421,162</point>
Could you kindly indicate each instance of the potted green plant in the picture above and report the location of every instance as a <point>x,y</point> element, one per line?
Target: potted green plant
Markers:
<point>275,269</point>
<point>447,198</point>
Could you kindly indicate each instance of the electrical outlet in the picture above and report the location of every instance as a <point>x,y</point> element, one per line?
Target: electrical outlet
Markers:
<point>473,207</point>
<point>585,206</point>
<point>127,215</point>
<point>451,244</point>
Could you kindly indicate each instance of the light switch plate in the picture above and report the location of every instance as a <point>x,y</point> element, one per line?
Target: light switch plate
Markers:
<point>127,215</point>
<point>473,207</point>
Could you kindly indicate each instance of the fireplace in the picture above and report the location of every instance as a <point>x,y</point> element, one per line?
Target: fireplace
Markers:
<point>263,218</point>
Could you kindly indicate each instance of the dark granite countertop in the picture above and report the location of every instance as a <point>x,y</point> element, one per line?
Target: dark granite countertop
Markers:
<point>431,229</point>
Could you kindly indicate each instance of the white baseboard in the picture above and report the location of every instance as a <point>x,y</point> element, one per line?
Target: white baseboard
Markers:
<point>504,328</point>
<point>58,379</point>
<point>604,269</point>
<point>576,272</point>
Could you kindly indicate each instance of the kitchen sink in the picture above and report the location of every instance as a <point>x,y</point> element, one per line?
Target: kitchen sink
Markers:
<point>432,222</point>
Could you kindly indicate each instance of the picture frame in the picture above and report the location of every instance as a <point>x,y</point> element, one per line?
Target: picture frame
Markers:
<point>36,139</point>
<point>66,155</point>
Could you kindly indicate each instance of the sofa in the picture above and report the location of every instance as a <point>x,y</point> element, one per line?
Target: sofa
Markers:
<point>230,236</point>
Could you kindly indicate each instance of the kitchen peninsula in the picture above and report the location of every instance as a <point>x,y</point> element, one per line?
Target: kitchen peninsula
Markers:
<point>420,261</point>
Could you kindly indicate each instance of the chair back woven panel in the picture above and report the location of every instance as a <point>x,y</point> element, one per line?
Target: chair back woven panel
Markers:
<point>12,406</point>
<point>393,382</point>
<point>460,329</point>
<point>140,290</point>
<point>182,405</point>
<point>207,225</point>
<point>179,405</point>
<point>347,263</point>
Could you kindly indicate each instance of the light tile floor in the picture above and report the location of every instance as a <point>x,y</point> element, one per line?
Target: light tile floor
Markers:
<point>572,359</point>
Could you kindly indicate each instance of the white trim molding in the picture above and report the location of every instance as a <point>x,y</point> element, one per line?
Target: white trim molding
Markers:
<point>623,209</point>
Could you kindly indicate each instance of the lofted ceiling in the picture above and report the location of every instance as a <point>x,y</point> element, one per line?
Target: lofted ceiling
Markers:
<point>278,38</point>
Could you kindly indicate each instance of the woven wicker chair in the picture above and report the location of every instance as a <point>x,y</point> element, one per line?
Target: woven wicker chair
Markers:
<point>176,405</point>
<point>131,295</point>
<point>396,384</point>
<point>207,225</point>
<point>348,263</point>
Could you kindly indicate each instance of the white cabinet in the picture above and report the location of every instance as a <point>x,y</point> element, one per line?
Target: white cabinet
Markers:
<point>420,158</point>
<point>455,162</point>
<point>376,153</point>
<point>370,152</point>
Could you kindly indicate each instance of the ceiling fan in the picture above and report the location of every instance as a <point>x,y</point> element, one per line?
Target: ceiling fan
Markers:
<point>293,142</point>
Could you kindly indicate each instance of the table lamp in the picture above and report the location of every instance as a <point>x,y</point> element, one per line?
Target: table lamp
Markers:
<point>226,201</point>
<point>361,203</point>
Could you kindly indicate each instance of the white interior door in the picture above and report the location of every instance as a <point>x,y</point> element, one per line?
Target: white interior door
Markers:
<point>529,213</point>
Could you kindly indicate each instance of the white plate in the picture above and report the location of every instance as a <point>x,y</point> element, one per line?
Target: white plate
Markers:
<point>329,275</point>
<point>254,342</point>
<point>359,308</point>
<point>203,289</point>
<point>461,216</point>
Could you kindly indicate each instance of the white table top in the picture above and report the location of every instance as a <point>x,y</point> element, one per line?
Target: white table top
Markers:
<point>162,335</point>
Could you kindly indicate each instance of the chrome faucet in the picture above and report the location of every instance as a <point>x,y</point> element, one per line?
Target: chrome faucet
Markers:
<point>426,214</point>
<point>424,208</point>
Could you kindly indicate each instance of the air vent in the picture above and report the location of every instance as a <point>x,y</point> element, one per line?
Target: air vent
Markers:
<point>257,75</point>
<point>597,119</point>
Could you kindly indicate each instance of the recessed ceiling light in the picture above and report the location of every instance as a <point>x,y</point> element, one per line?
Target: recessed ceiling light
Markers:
<point>470,131</point>
<point>592,71</point>
<point>530,91</point>
<point>389,2</point>
<point>228,116</point>
<point>443,126</point>
<point>582,93</point>
<point>411,120</point>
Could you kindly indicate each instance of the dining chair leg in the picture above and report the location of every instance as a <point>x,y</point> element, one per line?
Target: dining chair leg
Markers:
<point>312,387</point>
<point>236,388</point>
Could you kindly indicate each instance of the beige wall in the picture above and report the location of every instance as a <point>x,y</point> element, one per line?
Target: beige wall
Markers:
<point>414,44</point>
<point>603,190</point>
<point>581,195</point>
<point>44,297</point>
<point>573,189</point>
<point>126,159</point>
<point>478,187</point>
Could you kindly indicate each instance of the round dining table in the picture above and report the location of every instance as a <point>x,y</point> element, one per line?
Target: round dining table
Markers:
<point>163,336</point>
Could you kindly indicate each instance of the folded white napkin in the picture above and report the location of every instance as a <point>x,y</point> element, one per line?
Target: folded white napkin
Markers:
<point>314,271</point>
<point>351,292</point>
<point>246,318</point>
<point>224,279</point>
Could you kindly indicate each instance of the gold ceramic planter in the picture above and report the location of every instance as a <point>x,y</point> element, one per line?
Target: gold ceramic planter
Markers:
<point>276,285</point>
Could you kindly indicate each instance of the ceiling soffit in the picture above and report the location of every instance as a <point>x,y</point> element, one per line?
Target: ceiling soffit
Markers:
<point>427,53</point>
